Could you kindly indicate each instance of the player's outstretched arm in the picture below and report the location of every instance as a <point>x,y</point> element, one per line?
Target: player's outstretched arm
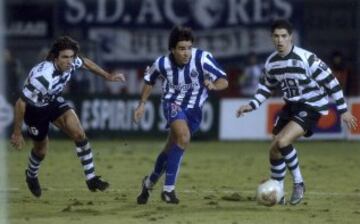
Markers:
<point>350,120</point>
<point>17,139</point>
<point>243,109</point>
<point>94,68</point>
<point>139,111</point>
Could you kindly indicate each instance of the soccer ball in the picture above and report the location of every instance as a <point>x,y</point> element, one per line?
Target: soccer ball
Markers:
<point>269,192</point>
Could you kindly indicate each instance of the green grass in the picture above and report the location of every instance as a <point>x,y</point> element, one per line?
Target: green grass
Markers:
<point>210,172</point>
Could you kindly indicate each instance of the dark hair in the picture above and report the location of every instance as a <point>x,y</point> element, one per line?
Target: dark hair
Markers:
<point>282,24</point>
<point>179,33</point>
<point>62,43</point>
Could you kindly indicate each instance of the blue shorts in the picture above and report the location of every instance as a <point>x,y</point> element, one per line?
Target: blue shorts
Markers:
<point>192,116</point>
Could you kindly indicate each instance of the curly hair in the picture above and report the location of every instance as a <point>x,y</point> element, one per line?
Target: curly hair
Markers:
<point>60,44</point>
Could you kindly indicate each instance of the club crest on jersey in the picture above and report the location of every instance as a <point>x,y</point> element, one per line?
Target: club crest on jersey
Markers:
<point>294,62</point>
<point>303,114</point>
<point>194,74</point>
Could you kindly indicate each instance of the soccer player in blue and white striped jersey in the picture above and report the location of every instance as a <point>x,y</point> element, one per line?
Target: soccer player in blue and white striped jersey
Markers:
<point>187,74</point>
<point>41,103</point>
<point>305,82</point>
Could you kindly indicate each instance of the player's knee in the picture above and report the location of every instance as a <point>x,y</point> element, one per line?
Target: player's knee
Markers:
<point>274,153</point>
<point>183,139</point>
<point>78,136</point>
<point>274,150</point>
<point>40,150</point>
<point>282,142</point>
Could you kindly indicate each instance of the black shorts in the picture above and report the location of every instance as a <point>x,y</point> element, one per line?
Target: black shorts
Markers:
<point>38,119</point>
<point>300,113</point>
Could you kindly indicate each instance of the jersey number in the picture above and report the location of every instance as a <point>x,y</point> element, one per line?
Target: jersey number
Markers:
<point>290,87</point>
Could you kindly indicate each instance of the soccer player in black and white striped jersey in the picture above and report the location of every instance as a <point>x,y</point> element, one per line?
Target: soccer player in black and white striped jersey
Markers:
<point>41,103</point>
<point>305,82</point>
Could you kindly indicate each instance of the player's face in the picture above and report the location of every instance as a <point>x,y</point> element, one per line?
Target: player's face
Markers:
<point>282,41</point>
<point>182,52</point>
<point>64,60</point>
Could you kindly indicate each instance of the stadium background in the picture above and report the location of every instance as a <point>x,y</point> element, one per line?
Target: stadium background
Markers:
<point>127,36</point>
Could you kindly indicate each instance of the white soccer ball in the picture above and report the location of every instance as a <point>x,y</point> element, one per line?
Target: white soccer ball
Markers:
<point>269,193</point>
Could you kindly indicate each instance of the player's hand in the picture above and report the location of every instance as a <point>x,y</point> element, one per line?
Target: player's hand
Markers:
<point>209,85</point>
<point>17,140</point>
<point>243,109</point>
<point>117,77</point>
<point>350,120</point>
<point>147,69</point>
<point>139,112</point>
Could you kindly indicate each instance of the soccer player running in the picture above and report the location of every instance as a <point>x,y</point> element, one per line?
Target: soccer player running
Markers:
<point>41,103</point>
<point>187,75</point>
<point>305,82</point>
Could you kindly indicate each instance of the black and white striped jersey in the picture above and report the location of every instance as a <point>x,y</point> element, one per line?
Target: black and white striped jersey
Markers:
<point>44,82</point>
<point>301,77</point>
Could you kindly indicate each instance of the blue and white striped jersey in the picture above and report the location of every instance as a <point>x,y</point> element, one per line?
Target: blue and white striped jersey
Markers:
<point>184,85</point>
<point>301,77</point>
<point>44,83</point>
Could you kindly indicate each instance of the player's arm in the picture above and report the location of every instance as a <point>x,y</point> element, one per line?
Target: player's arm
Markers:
<point>97,70</point>
<point>219,84</point>
<point>322,74</point>
<point>151,74</point>
<point>17,139</point>
<point>215,77</point>
<point>139,111</point>
<point>265,87</point>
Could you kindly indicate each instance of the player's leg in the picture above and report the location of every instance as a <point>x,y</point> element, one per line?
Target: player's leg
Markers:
<point>161,161</point>
<point>181,133</point>
<point>277,162</point>
<point>284,140</point>
<point>69,123</point>
<point>283,145</point>
<point>36,156</point>
<point>148,182</point>
<point>170,158</point>
<point>183,124</point>
<point>37,122</point>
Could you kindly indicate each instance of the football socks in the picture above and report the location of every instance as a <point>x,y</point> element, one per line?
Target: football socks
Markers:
<point>83,150</point>
<point>291,159</point>
<point>34,165</point>
<point>173,166</point>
